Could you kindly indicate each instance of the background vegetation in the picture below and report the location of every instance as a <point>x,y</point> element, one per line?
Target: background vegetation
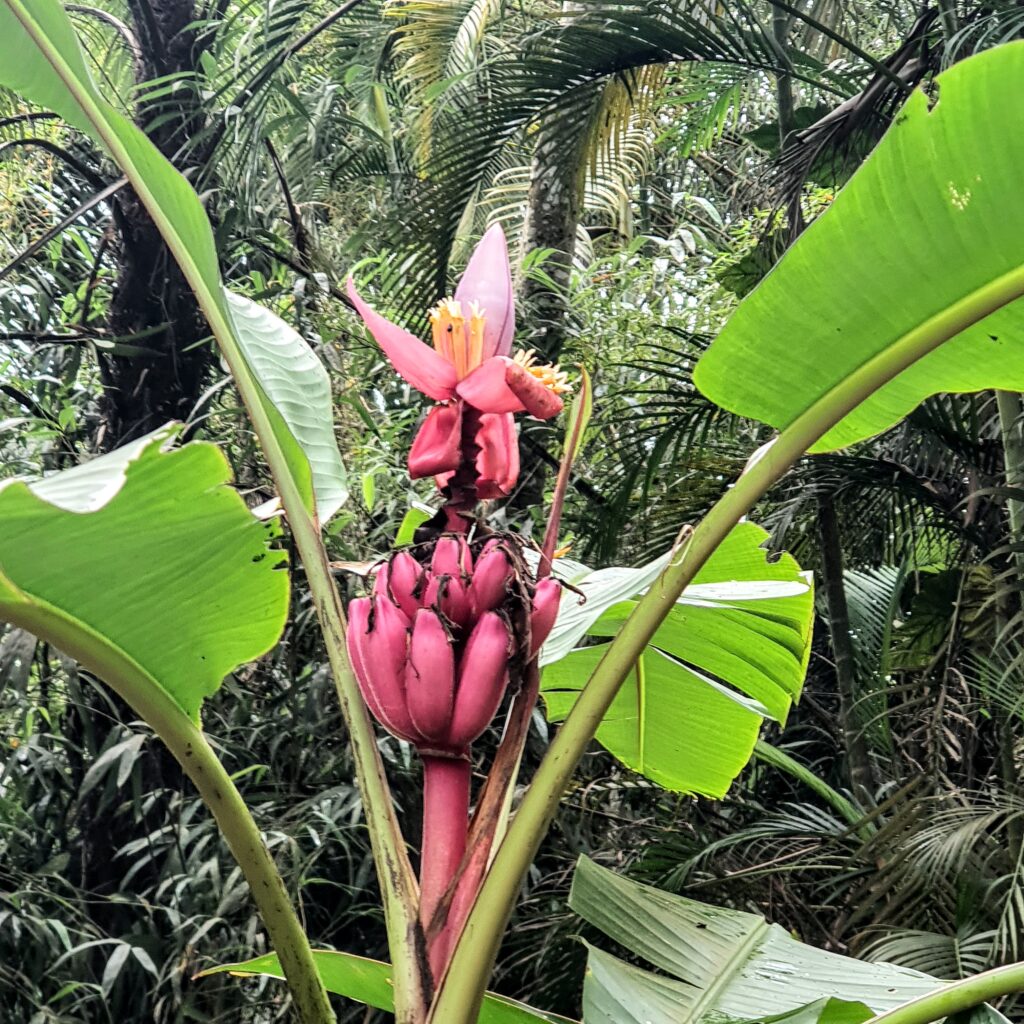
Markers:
<point>650,162</point>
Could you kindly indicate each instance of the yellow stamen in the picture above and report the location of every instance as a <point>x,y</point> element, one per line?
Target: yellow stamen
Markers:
<point>550,375</point>
<point>476,336</point>
<point>447,327</point>
<point>461,343</point>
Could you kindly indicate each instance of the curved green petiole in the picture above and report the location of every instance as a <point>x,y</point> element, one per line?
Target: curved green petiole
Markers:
<point>458,1000</point>
<point>146,567</point>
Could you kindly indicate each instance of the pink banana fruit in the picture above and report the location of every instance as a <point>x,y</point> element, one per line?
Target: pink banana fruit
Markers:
<point>545,611</point>
<point>400,580</point>
<point>451,557</point>
<point>490,581</point>
<point>483,676</point>
<point>384,653</point>
<point>449,595</point>
<point>358,626</point>
<point>430,677</point>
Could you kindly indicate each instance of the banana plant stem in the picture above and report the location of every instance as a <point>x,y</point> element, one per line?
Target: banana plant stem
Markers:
<point>491,816</point>
<point>399,889</point>
<point>461,993</point>
<point>398,884</point>
<point>956,997</point>
<point>246,843</point>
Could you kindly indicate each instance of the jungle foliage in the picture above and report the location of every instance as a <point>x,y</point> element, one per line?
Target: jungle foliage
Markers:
<point>650,165</point>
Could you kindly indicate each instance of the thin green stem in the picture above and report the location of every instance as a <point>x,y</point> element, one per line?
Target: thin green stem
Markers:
<point>186,742</point>
<point>956,997</point>
<point>459,999</point>
<point>779,759</point>
<point>243,837</point>
<point>398,883</point>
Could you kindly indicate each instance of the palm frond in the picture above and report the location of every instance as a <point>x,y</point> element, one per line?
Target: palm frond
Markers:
<point>873,601</point>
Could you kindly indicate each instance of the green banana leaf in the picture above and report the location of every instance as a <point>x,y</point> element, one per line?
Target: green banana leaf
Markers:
<point>929,231</point>
<point>146,564</point>
<point>369,982</point>
<point>732,652</point>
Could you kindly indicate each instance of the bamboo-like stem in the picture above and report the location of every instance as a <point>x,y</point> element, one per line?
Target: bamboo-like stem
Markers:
<point>954,998</point>
<point>398,884</point>
<point>446,789</point>
<point>458,1001</point>
<point>186,742</point>
<point>1011,429</point>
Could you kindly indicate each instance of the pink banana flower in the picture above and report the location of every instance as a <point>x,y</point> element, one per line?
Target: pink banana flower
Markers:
<point>470,371</point>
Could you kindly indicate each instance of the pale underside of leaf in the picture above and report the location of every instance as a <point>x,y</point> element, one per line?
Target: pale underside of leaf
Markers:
<point>88,486</point>
<point>296,382</point>
<point>724,963</point>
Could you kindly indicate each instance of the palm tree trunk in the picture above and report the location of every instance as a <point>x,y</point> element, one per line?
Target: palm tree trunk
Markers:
<point>554,207</point>
<point>781,22</point>
<point>553,215</point>
<point>151,298</point>
<point>857,757</point>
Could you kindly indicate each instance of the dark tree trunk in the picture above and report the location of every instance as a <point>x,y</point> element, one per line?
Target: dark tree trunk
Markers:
<point>781,23</point>
<point>858,761</point>
<point>152,299</point>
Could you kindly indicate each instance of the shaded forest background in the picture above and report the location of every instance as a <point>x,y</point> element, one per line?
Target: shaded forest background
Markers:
<point>649,162</point>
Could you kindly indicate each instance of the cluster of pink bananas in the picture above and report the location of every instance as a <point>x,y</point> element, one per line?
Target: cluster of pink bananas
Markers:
<point>432,647</point>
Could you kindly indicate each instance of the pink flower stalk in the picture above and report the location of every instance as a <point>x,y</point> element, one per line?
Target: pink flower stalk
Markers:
<point>469,371</point>
<point>432,650</point>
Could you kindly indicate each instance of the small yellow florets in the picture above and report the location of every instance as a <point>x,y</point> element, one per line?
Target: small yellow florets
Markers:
<point>549,374</point>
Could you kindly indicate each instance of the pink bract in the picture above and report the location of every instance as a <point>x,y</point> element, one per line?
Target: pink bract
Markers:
<point>468,370</point>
